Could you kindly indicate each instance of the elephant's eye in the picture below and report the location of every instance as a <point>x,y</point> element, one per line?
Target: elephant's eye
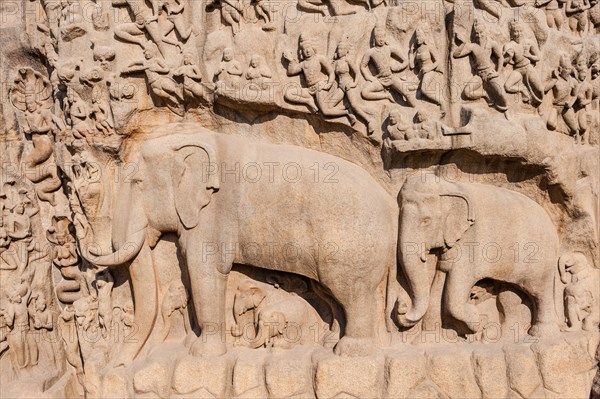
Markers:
<point>426,220</point>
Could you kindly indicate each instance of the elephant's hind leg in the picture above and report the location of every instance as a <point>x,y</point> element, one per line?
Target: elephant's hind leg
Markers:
<point>545,323</point>
<point>358,303</point>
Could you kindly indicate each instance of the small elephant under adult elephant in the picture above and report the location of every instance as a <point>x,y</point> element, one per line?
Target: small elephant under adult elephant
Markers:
<point>279,319</point>
<point>477,232</point>
<point>232,200</point>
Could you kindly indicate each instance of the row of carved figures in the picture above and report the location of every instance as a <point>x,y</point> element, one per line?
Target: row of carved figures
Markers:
<point>574,84</point>
<point>332,87</point>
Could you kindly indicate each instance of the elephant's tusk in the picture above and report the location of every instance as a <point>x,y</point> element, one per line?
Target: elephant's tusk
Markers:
<point>126,253</point>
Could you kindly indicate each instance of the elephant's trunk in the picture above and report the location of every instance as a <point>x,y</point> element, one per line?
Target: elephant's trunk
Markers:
<point>416,271</point>
<point>244,319</point>
<point>261,338</point>
<point>127,252</point>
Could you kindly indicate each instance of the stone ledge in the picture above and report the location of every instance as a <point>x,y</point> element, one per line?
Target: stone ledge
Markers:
<point>562,368</point>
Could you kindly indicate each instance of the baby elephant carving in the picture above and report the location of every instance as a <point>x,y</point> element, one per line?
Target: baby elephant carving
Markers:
<point>582,310</point>
<point>280,319</point>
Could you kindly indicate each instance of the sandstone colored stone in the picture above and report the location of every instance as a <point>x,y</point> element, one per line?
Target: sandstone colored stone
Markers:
<point>404,371</point>
<point>350,377</point>
<point>452,371</point>
<point>289,374</point>
<point>154,377</point>
<point>564,365</point>
<point>115,386</point>
<point>249,376</point>
<point>202,376</point>
<point>522,370</point>
<point>358,193</point>
<point>489,368</point>
<point>427,390</point>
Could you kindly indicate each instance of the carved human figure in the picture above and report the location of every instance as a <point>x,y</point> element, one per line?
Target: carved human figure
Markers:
<point>100,108</point>
<point>71,22</point>
<point>144,22</point>
<point>258,73</point>
<point>563,86</point>
<point>17,317</point>
<point>595,76</point>
<point>43,322</point>
<point>494,7</point>
<point>486,55</point>
<point>86,314</point>
<point>174,10</point>
<point>425,127</point>
<point>100,15</point>
<point>32,94</point>
<point>229,71</point>
<point>583,99</point>
<point>554,12</point>
<point>320,93</point>
<point>65,258</point>
<point>338,7</point>
<point>380,57</point>
<point>577,12</point>
<point>582,311</point>
<point>190,72</point>
<point>158,76</point>
<point>231,13</point>
<point>86,179</point>
<point>4,327</point>
<point>522,54</point>
<point>52,8</point>
<point>39,122</point>
<point>264,10</point>
<point>16,229</point>
<point>79,113</point>
<point>174,299</point>
<point>68,332</point>
<point>19,230</point>
<point>347,74</point>
<point>424,58</point>
<point>104,285</point>
<point>398,128</point>
<point>105,57</point>
<point>128,316</point>
<point>594,14</point>
<point>101,112</point>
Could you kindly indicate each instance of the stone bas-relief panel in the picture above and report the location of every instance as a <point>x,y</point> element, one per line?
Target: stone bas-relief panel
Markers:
<point>299,199</point>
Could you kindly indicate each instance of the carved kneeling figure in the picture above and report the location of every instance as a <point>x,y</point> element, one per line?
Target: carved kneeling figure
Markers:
<point>581,292</point>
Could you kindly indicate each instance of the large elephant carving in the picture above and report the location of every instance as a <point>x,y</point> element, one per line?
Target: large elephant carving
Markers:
<point>282,210</point>
<point>477,232</point>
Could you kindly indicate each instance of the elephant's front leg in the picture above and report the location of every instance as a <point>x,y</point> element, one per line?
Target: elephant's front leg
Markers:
<point>456,297</point>
<point>208,293</point>
<point>145,297</point>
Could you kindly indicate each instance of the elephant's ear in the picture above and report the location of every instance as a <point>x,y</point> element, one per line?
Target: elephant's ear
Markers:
<point>257,296</point>
<point>459,217</point>
<point>194,182</point>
